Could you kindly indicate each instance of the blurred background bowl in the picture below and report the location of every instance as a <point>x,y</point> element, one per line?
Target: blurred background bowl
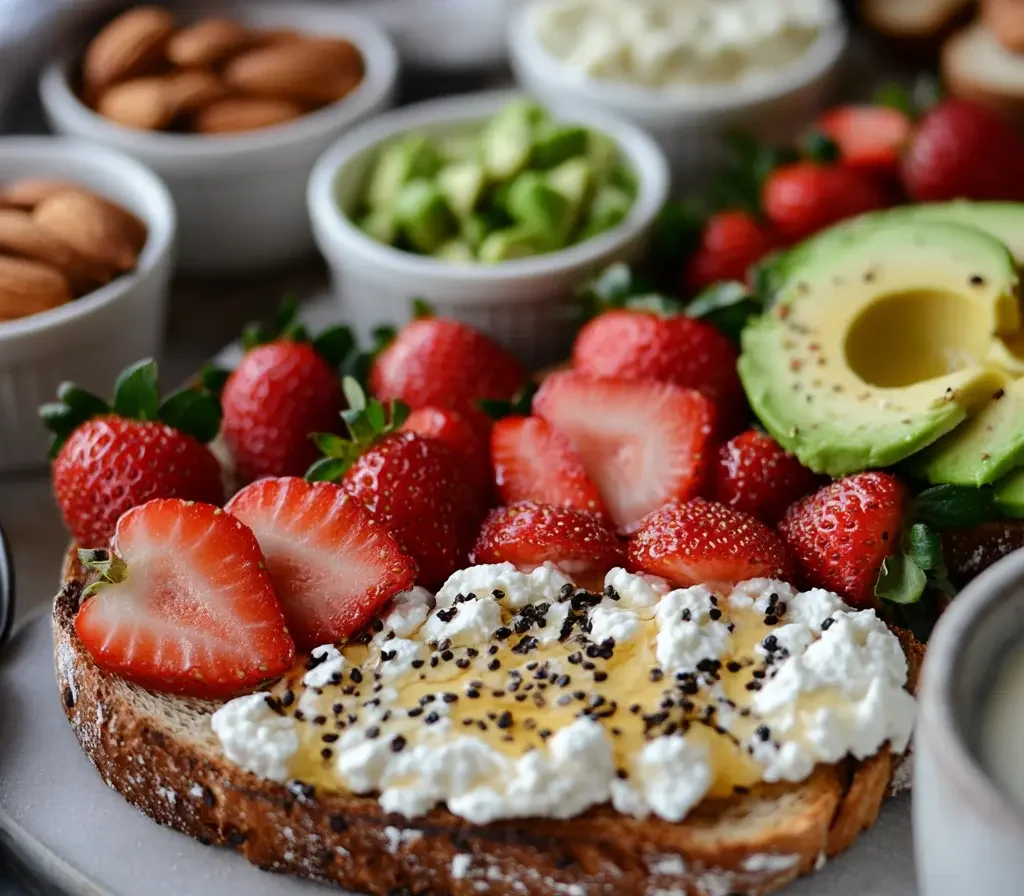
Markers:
<point>240,198</point>
<point>529,304</point>
<point>90,339</point>
<point>688,123</point>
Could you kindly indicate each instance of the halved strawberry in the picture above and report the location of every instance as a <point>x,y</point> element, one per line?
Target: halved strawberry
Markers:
<point>643,443</point>
<point>332,565</point>
<point>702,542</point>
<point>185,603</point>
<point>534,462</point>
<point>529,534</point>
<point>869,137</point>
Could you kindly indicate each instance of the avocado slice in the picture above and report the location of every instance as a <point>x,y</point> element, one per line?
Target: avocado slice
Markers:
<point>456,251</point>
<point>506,143</point>
<point>557,143</point>
<point>572,179</point>
<point>423,215</point>
<point>462,184</point>
<point>380,224</point>
<point>510,243</point>
<point>984,448</point>
<point>411,157</point>
<point>459,146</point>
<point>1003,221</point>
<point>607,210</point>
<point>1009,494</point>
<point>539,208</point>
<point>875,348</point>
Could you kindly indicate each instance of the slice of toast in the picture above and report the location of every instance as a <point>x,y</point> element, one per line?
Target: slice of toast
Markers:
<point>159,752</point>
<point>976,66</point>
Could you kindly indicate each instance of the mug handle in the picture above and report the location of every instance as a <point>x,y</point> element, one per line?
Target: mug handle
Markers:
<point>6,588</point>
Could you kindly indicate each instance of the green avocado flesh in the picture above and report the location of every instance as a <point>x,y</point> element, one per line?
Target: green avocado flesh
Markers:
<point>520,184</point>
<point>1009,494</point>
<point>877,342</point>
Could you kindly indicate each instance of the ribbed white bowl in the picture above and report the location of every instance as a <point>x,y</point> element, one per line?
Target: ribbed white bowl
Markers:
<point>92,338</point>
<point>529,304</point>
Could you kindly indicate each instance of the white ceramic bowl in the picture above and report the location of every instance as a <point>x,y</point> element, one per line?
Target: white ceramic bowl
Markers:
<point>967,836</point>
<point>528,304</point>
<point>241,198</point>
<point>688,124</point>
<point>91,339</point>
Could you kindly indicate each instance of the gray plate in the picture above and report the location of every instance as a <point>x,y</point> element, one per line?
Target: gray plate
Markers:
<point>68,829</point>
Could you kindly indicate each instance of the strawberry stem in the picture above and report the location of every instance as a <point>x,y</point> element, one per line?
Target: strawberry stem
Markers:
<point>111,568</point>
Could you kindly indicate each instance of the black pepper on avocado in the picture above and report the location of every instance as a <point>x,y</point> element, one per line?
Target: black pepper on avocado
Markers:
<point>520,185</point>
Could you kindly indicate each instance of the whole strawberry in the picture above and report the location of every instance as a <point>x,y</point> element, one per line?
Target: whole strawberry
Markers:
<point>413,485</point>
<point>691,353</point>
<point>805,197</point>
<point>468,439</point>
<point>962,150</point>
<point>731,243</point>
<point>434,362</point>
<point>839,537</point>
<point>107,460</point>
<point>756,475</point>
<point>284,389</point>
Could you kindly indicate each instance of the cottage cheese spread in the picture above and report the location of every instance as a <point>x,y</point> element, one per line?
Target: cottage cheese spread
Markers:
<point>674,43</point>
<point>515,694</point>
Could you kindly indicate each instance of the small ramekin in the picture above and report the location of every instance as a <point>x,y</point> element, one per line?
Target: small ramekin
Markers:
<point>529,304</point>
<point>91,339</point>
<point>688,124</point>
<point>967,837</point>
<point>241,197</point>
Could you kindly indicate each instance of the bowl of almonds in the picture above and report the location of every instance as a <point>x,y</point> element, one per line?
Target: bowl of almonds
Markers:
<point>231,103</point>
<point>86,252</point>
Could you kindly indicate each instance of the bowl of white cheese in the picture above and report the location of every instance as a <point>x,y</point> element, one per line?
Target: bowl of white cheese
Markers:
<point>688,71</point>
<point>969,742</point>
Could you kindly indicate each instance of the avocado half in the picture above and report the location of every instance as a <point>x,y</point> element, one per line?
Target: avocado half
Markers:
<point>878,340</point>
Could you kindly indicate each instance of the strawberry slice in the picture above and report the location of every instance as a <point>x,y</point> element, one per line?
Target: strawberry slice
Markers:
<point>533,462</point>
<point>643,443</point>
<point>184,604</point>
<point>869,137</point>
<point>529,534</point>
<point>332,566</point>
<point>701,542</point>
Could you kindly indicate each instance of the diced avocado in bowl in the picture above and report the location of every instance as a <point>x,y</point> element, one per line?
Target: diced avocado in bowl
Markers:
<point>517,185</point>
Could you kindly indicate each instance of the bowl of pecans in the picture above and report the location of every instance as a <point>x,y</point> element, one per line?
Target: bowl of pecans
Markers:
<point>231,103</point>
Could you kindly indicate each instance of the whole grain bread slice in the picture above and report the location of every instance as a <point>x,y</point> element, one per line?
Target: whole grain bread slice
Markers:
<point>161,755</point>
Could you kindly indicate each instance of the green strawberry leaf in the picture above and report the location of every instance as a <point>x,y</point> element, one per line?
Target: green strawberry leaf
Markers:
<point>81,401</point>
<point>677,234</point>
<point>335,345</point>
<point>354,394</point>
<point>728,306</point>
<point>900,580</point>
<point>895,96</point>
<point>327,469</point>
<point>656,303</point>
<point>821,148</point>
<point>521,404</point>
<point>422,309</point>
<point>925,547</point>
<point>193,412</point>
<point>398,412</point>
<point>136,392</point>
<point>213,379</point>
<point>919,617</point>
<point>954,506</point>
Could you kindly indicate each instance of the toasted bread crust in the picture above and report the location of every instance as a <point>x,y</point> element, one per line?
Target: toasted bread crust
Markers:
<point>351,842</point>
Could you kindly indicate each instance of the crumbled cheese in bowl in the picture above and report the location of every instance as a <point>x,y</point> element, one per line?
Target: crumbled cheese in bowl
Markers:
<point>515,694</point>
<point>679,43</point>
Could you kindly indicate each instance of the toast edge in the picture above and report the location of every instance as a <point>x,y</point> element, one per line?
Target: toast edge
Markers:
<point>351,842</point>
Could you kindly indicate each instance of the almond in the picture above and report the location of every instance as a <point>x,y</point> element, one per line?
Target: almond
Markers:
<point>148,104</point>
<point>306,71</point>
<point>28,287</point>
<point>131,45</point>
<point>28,192</point>
<point>21,236</point>
<point>94,227</point>
<point>207,43</point>
<point>192,90</point>
<point>231,116</point>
